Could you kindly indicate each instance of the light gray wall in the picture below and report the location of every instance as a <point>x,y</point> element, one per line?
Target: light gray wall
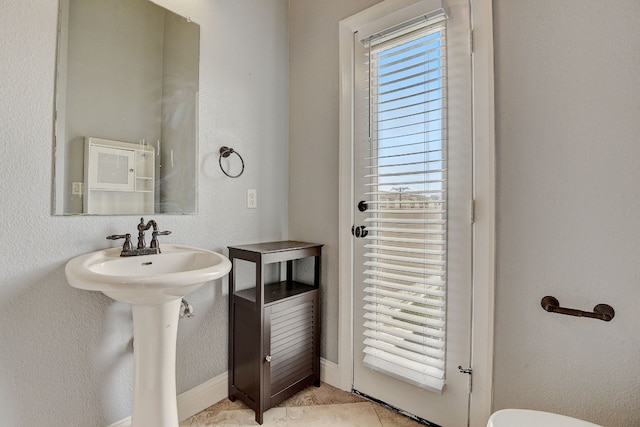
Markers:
<point>568,123</point>
<point>140,82</point>
<point>179,115</point>
<point>65,354</point>
<point>313,140</point>
<point>113,90</point>
<point>567,116</point>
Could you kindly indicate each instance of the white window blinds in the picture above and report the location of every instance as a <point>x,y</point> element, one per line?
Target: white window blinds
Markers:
<point>405,265</point>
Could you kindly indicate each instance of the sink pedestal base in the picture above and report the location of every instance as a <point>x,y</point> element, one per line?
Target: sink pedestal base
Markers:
<point>154,286</point>
<point>155,330</point>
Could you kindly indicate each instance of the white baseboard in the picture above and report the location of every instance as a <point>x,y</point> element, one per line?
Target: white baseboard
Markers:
<point>202,396</point>
<point>122,423</point>
<point>215,389</point>
<point>329,373</point>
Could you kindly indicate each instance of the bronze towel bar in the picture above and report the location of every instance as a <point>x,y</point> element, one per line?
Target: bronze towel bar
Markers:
<point>601,311</point>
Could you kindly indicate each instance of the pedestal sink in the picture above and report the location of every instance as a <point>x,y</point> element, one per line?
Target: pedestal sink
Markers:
<point>154,285</point>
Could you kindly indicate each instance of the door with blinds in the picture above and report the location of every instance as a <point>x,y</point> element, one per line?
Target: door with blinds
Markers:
<point>412,224</point>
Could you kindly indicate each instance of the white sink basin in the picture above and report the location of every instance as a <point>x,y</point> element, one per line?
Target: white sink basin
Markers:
<point>146,279</point>
<point>154,286</point>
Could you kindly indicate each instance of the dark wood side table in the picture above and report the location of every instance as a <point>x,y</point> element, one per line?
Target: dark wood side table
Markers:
<point>274,328</point>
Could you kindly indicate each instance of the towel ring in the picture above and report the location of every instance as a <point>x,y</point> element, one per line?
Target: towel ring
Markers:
<point>226,152</point>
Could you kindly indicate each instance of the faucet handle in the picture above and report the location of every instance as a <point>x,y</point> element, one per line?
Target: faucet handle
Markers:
<point>118,236</point>
<point>127,240</point>
<point>154,238</point>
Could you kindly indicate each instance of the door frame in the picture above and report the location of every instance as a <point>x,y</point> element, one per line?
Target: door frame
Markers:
<point>483,267</point>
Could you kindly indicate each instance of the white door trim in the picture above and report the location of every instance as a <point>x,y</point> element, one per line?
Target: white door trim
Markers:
<point>484,212</point>
<point>484,196</point>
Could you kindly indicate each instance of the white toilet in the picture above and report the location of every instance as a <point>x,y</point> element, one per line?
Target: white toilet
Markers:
<point>529,418</point>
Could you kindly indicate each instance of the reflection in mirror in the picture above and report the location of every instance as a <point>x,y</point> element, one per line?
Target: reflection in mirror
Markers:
<point>126,109</point>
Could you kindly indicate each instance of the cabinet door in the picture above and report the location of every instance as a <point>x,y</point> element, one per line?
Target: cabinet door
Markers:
<point>292,344</point>
<point>111,168</point>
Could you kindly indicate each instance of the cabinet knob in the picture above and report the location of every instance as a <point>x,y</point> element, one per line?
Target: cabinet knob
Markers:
<point>267,358</point>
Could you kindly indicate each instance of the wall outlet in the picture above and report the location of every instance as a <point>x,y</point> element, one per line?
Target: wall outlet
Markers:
<point>252,198</point>
<point>77,188</point>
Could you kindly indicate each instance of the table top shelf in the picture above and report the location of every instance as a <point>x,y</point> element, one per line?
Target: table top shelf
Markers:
<point>276,291</point>
<point>272,252</point>
<point>270,247</point>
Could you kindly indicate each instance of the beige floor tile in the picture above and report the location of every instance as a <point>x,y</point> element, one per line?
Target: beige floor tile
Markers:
<point>240,418</point>
<point>390,418</point>
<point>313,406</point>
<point>227,405</point>
<point>339,415</point>
<point>323,395</point>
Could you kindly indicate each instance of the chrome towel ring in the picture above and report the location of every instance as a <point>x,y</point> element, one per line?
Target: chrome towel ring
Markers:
<point>226,152</point>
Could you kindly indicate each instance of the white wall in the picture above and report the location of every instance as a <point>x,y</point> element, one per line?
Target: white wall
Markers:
<point>65,354</point>
<point>567,126</point>
<point>313,141</point>
<point>180,79</point>
<point>126,105</point>
<point>568,123</point>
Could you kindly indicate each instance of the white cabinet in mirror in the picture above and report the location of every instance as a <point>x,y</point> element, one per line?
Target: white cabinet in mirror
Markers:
<point>119,177</point>
<point>127,71</point>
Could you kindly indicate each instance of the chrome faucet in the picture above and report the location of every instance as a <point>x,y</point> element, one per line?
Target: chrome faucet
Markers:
<point>142,249</point>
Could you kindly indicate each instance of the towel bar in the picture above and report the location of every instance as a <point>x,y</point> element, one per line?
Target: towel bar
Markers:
<point>601,311</point>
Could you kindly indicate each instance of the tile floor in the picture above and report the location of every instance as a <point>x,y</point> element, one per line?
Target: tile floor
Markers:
<point>313,406</point>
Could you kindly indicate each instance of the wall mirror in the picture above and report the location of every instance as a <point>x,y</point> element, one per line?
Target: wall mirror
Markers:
<point>126,109</point>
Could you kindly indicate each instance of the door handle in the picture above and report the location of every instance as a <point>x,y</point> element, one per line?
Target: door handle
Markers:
<point>359,231</point>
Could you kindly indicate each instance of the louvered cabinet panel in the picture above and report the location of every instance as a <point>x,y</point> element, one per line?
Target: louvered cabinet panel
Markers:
<point>274,328</point>
<point>292,344</point>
